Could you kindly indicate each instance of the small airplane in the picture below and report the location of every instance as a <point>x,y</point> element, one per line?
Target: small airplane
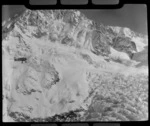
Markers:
<point>22,59</point>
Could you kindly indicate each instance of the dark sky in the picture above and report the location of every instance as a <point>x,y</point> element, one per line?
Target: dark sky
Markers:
<point>133,16</point>
<point>10,10</point>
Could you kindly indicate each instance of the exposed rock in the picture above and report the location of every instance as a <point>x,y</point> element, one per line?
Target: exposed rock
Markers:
<point>53,82</point>
<point>124,45</point>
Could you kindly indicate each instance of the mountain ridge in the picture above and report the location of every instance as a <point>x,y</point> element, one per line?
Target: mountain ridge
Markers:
<point>67,60</point>
<point>73,27</point>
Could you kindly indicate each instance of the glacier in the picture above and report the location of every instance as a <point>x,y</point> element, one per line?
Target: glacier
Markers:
<point>73,66</point>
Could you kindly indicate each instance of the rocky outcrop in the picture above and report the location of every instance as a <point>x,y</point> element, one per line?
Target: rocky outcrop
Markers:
<point>54,43</point>
<point>123,44</point>
<point>72,28</point>
<point>100,44</point>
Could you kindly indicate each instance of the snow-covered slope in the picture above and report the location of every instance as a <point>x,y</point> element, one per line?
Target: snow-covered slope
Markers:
<point>53,61</point>
<point>118,55</point>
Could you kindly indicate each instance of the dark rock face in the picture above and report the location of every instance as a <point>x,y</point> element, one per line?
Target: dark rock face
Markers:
<point>123,44</point>
<point>19,117</point>
<point>6,30</point>
<point>99,43</point>
<point>67,40</point>
<point>39,34</point>
<point>142,57</point>
<point>68,116</point>
<point>87,58</point>
<point>101,39</point>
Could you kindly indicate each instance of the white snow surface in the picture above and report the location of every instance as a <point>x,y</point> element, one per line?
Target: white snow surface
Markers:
<point>72,69</point>
<point>118,55</point>
<point>140,43</point>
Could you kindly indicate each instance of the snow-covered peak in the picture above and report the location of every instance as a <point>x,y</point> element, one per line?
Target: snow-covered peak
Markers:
<point>71,27</point>
<point>57,60</point>
<point>122,31</point>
